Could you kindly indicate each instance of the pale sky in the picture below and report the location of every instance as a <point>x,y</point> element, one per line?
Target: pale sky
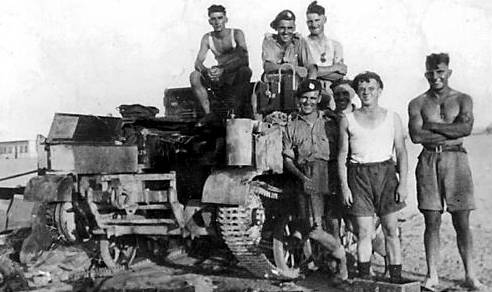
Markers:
<point>91,56</point>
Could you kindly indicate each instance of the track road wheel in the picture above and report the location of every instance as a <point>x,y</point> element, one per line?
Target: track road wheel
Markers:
<point>241,228</point>
<point>290,252</point>
<point>117,252</point>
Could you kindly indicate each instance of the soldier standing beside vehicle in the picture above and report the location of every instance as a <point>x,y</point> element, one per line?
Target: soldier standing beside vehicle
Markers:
<point>439,119</point>
<point>369,180</point>
<point>229,48</point>
<point>326,53</point>
<point>343,94</point>
<point>306,153</point>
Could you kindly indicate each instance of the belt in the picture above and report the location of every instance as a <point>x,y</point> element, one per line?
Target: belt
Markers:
<point>445,148</point>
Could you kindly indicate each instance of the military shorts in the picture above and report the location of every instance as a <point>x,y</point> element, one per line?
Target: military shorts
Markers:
<point>444,181</point>
<point>373,187</point>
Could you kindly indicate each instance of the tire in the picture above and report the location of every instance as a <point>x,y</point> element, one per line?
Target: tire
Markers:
<point>118,252</point>
<point>64,217</point>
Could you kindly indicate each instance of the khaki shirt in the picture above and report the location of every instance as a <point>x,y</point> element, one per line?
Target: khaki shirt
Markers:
<point>295,53</point>
<point>305,142</point>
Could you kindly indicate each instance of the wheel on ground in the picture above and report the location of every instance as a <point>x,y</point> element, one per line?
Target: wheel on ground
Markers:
<point>290,252</point>
<point>64,217</point>
<point>118,251</point>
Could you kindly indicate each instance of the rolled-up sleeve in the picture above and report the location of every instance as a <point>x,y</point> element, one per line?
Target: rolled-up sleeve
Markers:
<point>268,52</point>
<point>305,55</point>
<point>287,145</point>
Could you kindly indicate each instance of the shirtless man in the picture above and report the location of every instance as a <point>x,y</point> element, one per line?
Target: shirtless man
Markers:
<point>229,48</point>
<point>439,119</point>
<point>326,53</point>
<point>368,179</point>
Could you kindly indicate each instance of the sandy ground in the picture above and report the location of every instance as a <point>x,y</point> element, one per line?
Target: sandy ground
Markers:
<point>190,274</point>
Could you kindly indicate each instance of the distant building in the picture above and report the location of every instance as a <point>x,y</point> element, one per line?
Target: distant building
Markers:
<point>18,149</point>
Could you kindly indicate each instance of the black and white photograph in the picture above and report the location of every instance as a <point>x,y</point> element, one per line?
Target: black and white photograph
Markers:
<point>250,146</point>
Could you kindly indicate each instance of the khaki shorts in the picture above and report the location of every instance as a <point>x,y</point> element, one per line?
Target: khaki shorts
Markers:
<point>444,181</point>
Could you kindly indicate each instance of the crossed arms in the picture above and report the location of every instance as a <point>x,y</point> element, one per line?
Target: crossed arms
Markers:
<point>434,132</point>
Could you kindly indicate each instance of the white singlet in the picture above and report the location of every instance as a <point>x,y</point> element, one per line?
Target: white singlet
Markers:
<point>212,45</point>
<point>371,145</point>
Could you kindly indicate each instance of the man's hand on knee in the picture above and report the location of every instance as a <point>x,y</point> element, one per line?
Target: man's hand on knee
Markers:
<point>215,73</point>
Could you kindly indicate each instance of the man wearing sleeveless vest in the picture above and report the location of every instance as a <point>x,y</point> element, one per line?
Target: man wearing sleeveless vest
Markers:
<point>369,179</point>
<point>326,53</point>
<point>229,48</point>
<point>439,119</point>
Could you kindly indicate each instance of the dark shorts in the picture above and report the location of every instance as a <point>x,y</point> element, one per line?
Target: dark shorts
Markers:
<point>234,91</point>
<point>444,179</point>
<point>334,207</point>
<point>373,187</point>
<point>318,172</point>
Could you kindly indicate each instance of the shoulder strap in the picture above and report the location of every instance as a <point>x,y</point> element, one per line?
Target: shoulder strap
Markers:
<point>211,44</point>
<point>234,44</point>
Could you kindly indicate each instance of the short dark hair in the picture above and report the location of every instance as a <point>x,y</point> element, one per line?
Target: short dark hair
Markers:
<point>216,8</point>
<point>365,77</point>
<point>435,59</point>
<point>340,82</point>
<point>315,8</point>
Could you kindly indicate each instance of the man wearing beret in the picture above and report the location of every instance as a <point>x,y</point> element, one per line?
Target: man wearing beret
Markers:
<point>326,53</point>
<point>306,152</point>
<point>286,51</point>
<point>229,48</point>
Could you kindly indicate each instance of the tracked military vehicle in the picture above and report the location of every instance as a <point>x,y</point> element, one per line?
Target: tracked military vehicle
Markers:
<point>118,181</point>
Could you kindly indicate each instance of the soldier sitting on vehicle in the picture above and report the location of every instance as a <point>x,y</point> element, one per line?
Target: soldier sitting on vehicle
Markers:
<point>306,153</point>
<point>285,62</point>
<point>232,73</point>
<point>326,53</point>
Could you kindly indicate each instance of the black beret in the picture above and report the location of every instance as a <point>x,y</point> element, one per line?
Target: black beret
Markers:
<point>307,86</point>
<point>283,15</point>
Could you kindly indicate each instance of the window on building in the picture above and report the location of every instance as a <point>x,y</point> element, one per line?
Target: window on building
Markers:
<point>25,148</point>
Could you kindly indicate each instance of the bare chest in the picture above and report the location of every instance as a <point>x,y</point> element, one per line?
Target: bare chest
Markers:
<point>221,45</point>
<point>440,111</point>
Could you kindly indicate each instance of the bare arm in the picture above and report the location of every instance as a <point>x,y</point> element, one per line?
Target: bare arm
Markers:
<point>462,124</point>
<point>292,168</point>
<point>418,134</point>
<point>343,145</point>
<point>202,54</point>
<point>334,72</point>
<point>401,160</point>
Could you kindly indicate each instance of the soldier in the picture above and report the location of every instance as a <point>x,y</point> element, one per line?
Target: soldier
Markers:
<point>326,53</point>
<point>229,48</point>
<point>369,180</point>
<point>285,51</point>
<point>439,119</point>
<point>334,207</point>
<point>306,152</point>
